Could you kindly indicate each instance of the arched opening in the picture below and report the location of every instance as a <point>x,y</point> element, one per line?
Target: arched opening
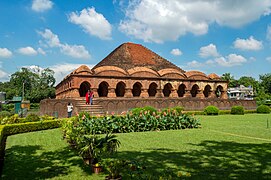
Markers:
<point>181,90</point>
<point>219,91</point>
<point>194,90</point>
<point>136,89</point>
<point>167,90</point>
<point>207,91</point>
<point>84,87</point>
<point>152,89</point>
<point>120,89</point>
<point>103,89</point>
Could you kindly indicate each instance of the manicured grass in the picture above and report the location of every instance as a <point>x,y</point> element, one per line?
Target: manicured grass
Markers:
<point>227,146</point>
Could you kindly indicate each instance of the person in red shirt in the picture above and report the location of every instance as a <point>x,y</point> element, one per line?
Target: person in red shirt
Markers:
<point>89,97</point>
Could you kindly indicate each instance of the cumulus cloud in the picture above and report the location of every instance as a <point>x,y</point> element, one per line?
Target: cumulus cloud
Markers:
<point>231,60</point>
<point>268,33</point>
<point>208,51</point>
<point>5,53</point>
<point>41,5</point>
<point>176,52</point>
<point>62,70</point>
<point>92,23</point>
<point>194,64</point>
<point>28,51</point>
<point>164,20</point>
<point>268,59</point>
<point>52,40</point>
<point>248,44</point>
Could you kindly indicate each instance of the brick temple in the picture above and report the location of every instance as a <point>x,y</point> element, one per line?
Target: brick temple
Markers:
<point>133,76</point>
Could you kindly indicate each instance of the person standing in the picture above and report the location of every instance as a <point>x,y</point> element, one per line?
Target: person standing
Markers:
<point>91,97</point>
<point>69,109</point>
<point>88,97</point>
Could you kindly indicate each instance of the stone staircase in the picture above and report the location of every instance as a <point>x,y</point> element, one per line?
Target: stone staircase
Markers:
<point>94,109</point>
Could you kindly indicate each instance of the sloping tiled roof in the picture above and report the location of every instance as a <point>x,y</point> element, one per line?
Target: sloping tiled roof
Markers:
<point>130,55</point>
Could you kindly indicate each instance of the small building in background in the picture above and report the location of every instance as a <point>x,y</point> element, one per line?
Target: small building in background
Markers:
<point>241,92</point>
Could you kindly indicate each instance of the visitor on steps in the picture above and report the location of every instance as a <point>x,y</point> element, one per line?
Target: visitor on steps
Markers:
<point>89,97</point>
<point>69,109</point>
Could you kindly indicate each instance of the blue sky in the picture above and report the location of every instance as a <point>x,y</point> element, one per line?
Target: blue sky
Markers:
<point>212,36</point>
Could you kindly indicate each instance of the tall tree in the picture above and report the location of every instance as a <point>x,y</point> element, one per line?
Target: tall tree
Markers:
<point>265,82</point>
<point>249,81</point>
<point>35,86</point>
<point>228,77</point>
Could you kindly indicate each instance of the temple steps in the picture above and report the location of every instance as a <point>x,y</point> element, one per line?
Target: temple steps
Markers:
<point>94,109</point>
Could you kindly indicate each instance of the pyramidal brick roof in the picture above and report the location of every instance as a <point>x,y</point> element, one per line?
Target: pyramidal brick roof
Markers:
<point>130,55</point>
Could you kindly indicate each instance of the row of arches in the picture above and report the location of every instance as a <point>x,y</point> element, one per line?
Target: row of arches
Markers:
<point>120,90</point>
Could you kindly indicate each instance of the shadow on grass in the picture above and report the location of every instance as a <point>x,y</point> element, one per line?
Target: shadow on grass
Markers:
<point>25,162</point>
<point>214,160</point>
<point>211,160</point>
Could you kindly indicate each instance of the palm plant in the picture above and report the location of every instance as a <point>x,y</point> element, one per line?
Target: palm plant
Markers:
<point>94,147</point>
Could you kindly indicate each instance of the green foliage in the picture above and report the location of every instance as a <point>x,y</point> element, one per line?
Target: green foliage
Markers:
<point>8,107</point>
<point>237,110</point>
<point>265,82</point>
<point>5,114</point>
<point>263,109</point>
<point>32,117</point>
<point>10,119</point>
<point>34,105</point>
<point>211,110</point>
<point>179,109</point>
<point>37,84</point>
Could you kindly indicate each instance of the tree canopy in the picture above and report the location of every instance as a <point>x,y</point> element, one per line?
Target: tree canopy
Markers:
<point>34,86</point>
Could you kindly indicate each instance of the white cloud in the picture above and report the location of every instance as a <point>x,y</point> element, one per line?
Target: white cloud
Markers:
<point>231,60</point>
<point>194,64</point>
<point>41,51</point>
<point>76,51</point>
<point>41,5</point>
<point>176,52</point>
<point>52,40</point>
<point>164,20</point>
<point>28,51</point>
<point>268,59</point>
<point>208,51</point>
<point>62,70</point>
<point>248,44</point>
<point>268,33</point>
<point>92,23</point>
<point>5,53</point>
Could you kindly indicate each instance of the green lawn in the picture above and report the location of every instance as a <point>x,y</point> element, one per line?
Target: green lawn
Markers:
<point>227,146</point>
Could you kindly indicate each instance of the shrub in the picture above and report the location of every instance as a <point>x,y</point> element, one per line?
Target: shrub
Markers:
<point>8,107</point>
<point>211,110</point>
<point>264,109</point>
<point>32,117</point>
<point>179,109</point>
<point>5,114</point>
<point>11,119</point>
<point>221,112</point>
<point>141,110</point>
<point>237,110</point>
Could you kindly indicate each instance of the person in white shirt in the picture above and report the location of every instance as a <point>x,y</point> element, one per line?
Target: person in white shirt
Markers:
<point>70,108</point>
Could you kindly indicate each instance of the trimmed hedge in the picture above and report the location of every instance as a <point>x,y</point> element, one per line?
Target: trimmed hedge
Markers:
<point>264,109</point>
<point>11,129</point>
<point>237,110</point>
<point>211,110</point>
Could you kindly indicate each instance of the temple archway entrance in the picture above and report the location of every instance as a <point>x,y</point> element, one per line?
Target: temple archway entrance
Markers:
<point>207,91</point>
<point>181,90</point>
<point>152,90</point>
<point>219,91</point>
<point>103,89</point>
<point>194,90</point>
<point>167,90</point>
<point>84,87</point>
<point>120,89</point>
<point>136,89</point>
